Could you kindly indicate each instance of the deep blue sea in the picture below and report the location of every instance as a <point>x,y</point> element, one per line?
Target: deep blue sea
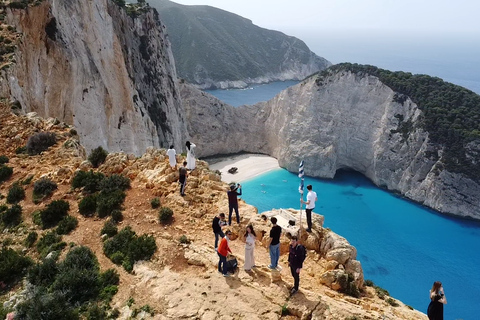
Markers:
<point>402,246</point>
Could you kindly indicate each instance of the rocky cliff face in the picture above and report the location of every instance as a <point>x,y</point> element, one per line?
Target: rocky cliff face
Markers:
<point>344,121</point>
<point>90,64</point>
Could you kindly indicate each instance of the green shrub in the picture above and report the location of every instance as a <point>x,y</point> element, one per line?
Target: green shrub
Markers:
<point>12,265</point>
<point>50,242</point>
<point>40,142</point>
<point>88,205</point>
<point>115,182</point>
<point>15,193</point>
<point>67,225</point>
<point>5,173</point>
<point>12,216</point>
<point>3,159</point>
<point>109,228</point>
<point>120,3</point>
<point>155,203</point>
<point>43,273</point>
<point>392,302</point>
<point>51,305</point>
<point>54,213</point>
<point>27,180</point>
<point>88,180</point>
<point>126,248</point>
<point>117,216</point>
<point>30,239</point>
<point>368,283</point>
<point>97,156</point>
<point>109,277</point>
<point>381,293</point>
<point>165,215</point>
<point>108,292</point>
<point>18,5</point>
<point>95,312</point>
<point>183,239</point>
<point>109,201</point>
<point>21,150</point>
<point>348,286</point>
<point>43,188</point>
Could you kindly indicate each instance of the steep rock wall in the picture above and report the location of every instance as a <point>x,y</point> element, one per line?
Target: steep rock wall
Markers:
<point>90,64</point>
<point>345,121</point>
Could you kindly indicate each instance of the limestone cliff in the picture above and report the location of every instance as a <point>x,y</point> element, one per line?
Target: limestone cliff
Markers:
<point>92,64</point>
<point>342,121</point>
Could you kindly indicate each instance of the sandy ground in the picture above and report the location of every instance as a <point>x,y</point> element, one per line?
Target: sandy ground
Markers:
<point>249,166</point>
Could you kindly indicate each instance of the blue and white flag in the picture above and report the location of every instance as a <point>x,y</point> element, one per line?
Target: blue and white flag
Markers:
<point>300,175</point>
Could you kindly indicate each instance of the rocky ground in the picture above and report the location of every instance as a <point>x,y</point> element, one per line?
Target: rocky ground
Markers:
<point>181,280</point>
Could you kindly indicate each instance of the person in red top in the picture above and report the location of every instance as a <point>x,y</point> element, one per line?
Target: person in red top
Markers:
<point>223,250</point>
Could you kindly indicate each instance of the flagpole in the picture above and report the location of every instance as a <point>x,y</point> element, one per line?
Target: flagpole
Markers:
<point>300,189</point>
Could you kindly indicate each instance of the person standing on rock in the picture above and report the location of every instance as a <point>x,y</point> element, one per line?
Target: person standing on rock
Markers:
<point>296,256</point>
<point>311,198</point>
<point>172,157</point>
<point>274,245</point>
<point>437,300</point>
<point>233,202</point>
<point>217,224</point>
<point>223,250</point>
<point>250,238</point>
<point>182,178</point>
<point>190,155</point>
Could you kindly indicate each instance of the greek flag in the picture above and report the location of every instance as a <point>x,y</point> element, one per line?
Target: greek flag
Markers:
<point>300,175</point>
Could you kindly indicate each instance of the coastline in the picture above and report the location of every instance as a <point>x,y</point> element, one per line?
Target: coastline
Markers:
<point>249,166</point>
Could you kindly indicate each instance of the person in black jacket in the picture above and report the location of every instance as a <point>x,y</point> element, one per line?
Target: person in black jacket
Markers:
<point>217,224</point>
<point>296,256</point>
<point>233,202</point>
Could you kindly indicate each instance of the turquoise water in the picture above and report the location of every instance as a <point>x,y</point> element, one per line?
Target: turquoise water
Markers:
<point>403,247</point>
<point>252,94</point>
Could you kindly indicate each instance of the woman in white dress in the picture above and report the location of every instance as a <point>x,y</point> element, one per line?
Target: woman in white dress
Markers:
<point>172,157</point>
<point>190,155</point>
<point>250,237</point>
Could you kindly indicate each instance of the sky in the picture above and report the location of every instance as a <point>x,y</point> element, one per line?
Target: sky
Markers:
<point>447,17</point>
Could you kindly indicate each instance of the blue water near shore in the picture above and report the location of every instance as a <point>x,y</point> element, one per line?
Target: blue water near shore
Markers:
<point>402,246</point>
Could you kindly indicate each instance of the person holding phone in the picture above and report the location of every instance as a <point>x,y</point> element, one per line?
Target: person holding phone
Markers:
<point>437,300</point>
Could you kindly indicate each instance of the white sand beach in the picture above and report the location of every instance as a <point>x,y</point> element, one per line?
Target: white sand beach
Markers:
<point>249,166</point>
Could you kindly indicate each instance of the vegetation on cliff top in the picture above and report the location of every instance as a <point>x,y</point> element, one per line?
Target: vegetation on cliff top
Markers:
<point>451,113</point>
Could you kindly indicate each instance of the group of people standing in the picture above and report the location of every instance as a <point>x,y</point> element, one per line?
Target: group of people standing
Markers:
<point>189,164</point>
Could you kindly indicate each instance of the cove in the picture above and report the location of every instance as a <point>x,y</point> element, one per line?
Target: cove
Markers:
<point>403,247</point>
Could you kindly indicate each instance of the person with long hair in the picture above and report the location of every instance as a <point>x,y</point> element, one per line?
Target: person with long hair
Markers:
<point>250,238</point>
<point>190,155</point>
<point>437,300</point>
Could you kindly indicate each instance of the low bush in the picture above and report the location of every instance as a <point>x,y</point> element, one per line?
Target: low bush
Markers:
<point>184,240</point>
<point>43,188</point>
<point>96,312</point>
<point>155,203</point>
<point>392,302</point>
<point>67,225</point>
<point>12,216</point>
<point>21,150</point>
<point>50,242</point>
<point>15,193</point>
<point>109,228</point>
<point>51,305</point>
<point>110,277</point>
<point>13,265</point>
<point>165,215</point>
<point>54,213</point>
<point>3,159</point>
<point>108,292</point>
<point>30,239</point>
<point>109,201</point>
<point>88,180</point>
<point>348,285</point>
<point>97,156</point>
<point>126,248</point>
<point>18,5</point>
<point>5,173</point>
<point>115,182</point>
<point>43,273</point>
<point>40,142</point>
<point>117,216</point>
<point>88,205</point>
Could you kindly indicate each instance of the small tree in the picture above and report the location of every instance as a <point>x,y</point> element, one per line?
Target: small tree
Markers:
<point>53,213</point>
<point>11,217</point>
<point>5,173</point>
<point>43,188</point>
<point>97,156</point>
<point>165,215</point>
<point>15,193</point>
<point>40,142</point>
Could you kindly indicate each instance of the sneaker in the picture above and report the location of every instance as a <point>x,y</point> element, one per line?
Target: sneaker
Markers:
<point>293,291</point>
<point>271,267</point>
<point>226,275</point>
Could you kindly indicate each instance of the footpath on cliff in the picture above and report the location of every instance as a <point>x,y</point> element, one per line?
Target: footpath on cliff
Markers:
<point>181,280</point>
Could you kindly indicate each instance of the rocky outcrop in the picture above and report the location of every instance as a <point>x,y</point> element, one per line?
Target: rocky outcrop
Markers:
<point>343,121</point>
<point>214,48</point>
<point>92,65</point>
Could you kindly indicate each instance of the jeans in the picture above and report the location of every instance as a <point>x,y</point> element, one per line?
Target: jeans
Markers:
<point>296,276</point>
<point>309,218</point>
<point>218,235</point>
<point>222,261</point>
<point>182,182</point>
<point>232,207</point>
<point>274,254</point>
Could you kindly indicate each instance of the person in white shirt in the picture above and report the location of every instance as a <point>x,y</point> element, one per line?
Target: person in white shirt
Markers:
<point>311,198</point>
<point>172,157</point>
<point>190,155</point>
